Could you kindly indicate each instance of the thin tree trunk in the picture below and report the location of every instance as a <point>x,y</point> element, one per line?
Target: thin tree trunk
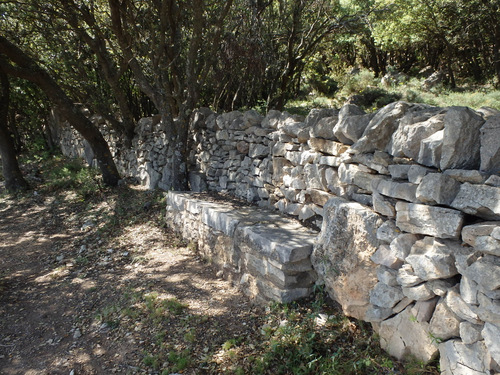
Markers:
<point>27,68</point>
<point>14,180</point>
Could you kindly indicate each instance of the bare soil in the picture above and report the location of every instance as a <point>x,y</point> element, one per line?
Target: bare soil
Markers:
<point>100,286</point>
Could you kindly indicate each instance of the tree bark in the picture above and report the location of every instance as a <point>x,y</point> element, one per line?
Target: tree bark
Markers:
<point>14,180</point>
<point>27,68</point>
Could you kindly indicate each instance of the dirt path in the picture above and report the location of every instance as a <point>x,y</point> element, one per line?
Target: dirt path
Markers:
<point>102,287</point>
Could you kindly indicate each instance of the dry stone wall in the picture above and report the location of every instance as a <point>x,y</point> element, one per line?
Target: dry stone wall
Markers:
<point>407,200</point>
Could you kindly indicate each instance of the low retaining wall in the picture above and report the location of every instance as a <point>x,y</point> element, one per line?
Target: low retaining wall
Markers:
<point>267,254</point>
<point>407,199</point>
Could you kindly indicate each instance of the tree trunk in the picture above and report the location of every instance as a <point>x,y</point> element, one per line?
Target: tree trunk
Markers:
<point>14,180</point>
<point>27,68</point>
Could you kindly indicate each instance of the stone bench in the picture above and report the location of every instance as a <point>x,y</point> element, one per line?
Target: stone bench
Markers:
<point>268,254</point>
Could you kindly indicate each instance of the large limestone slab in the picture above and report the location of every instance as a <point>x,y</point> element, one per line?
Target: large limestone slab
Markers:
<point>403,335</point>
<point>399,190</point>
<point>429,220</point>
<point>406,140</point>
<point>457,358</point>
<point>471,232</point>
<point>352,122</point>
<point>461,143</point>
<point>341,256</point>
<point>381,127</point>
<point>323,128</point>
<point>479,200</point>
<point>490,145</point>
<point>431,149</point>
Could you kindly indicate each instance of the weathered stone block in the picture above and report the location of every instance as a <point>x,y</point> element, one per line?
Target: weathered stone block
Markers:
<point>342,254</point>
<point>471,232</point>
<point>327,147</point>
<point>485,272</point>
<point>490,146</point>
<point>456,358</point>
<point>461,142</point>
<point>352,122</point>
<point>429,220</point>
<point>436,188</point>
<point>479,200</point>
<point>431,149</point>
<point>432,258</point>
<point>403,335</point>
<point>386,296</point>
<point>444,323</point>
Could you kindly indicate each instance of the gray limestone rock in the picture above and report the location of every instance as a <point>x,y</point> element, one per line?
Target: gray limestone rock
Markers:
<point>461,143</point>
<point>471,232</point>
<point>387,275</point>
<point>399,171</point>
<point>488,245</point>
<point>491,334</point>
<point>316,115</point>
<point>488,309</point>
<point>433,258</point>
<point>327,146</point>
<point>323,128</point>
<point>407,139</point>
<point>386,257</point>
<point>407,277</point>
<point>470,333</point>
<point>490,146</point>
<point>403,335</point>
<point>416,173</point>
<point>383,205</point>
<point>402,245</point>
<point>431,149</point>
<point>387,232</point>
<point>457,358</point>
<point>386,296</point>
<point>352,122</point>
<point>467,175</point>
<point>341,255</point>
<point>456,304</point>
<point>444,323</point>
<point>399,190</point>
<point>436,188</point>
<point>379,130</point>
<point>423,310</point>
<point>479,200</point>
<point>420,292</point>
<point>468,290</point>
<point>429,220</point>
<point>377,314</point>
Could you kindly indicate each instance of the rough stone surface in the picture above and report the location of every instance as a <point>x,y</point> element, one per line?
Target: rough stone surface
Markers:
<point>432,259</point>
<point>479,200</point>
<point>456,358</point>
<point>491,334</point>
<point>470,333</point>
<point>407,139</point>
<point>485,272</point>
<point>436,188</point>
<point>471,232</point>
<point>347,241</point>
<point>444,324</point>
<point>434,221</point>
<point>351,124</point>
<point>461,143</point>
<point>431,149</point>
<point>490,146</point>
<point>380,128</point>
<point>386,296</point>
<point>402,335</point>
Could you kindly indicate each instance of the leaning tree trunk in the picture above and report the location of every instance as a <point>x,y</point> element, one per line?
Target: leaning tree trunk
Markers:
<point>14,180</point>
<point>27,68</point>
